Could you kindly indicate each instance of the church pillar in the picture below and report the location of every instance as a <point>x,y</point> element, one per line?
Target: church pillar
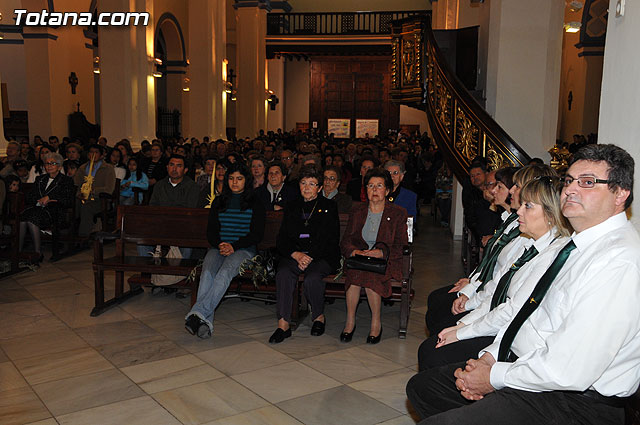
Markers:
<point>127,86</point>
<point>523,71</point>
<point>3,141</point>
<point>251,115</point>
<point>620,85</point>
<point>207,50</point>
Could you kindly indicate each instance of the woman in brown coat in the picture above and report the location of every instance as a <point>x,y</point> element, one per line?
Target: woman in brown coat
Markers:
<point>370,227</point>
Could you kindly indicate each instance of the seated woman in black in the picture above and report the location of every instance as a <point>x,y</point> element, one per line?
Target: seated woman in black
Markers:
<point>308,243</point>
<point>52,193</point>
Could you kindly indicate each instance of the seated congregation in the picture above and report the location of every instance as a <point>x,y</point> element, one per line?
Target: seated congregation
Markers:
<point>546,329</point>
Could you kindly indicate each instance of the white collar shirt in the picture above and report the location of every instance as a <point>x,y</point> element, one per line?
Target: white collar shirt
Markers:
<point>586,332</point>
<point>486,322</point>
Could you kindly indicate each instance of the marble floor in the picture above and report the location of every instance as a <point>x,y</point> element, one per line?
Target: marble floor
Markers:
<point>135,364</point>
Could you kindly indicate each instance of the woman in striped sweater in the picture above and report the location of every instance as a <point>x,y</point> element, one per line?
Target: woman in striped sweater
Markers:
<point>236,226</point>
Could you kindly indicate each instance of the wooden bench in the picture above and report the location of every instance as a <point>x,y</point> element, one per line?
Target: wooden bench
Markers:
<point>11,241</point>
<point>186,227</point>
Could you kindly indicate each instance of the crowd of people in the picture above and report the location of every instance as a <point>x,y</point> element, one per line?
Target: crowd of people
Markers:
<point>545,329</point>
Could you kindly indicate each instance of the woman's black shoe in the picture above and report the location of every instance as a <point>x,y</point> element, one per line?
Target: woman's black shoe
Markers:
<point>374,339</point>
<point>279,335</point>
<point>317,328</point>
<point>347,336</point>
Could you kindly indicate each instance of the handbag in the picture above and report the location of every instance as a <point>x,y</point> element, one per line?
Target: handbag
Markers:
<point>367,263</point>
<point>173,256</point>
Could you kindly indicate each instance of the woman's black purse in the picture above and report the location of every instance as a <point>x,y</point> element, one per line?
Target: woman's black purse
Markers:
<point>369,264</point>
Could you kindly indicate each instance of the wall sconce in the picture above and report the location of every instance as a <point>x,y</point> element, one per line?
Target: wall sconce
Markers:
<point>575,5</point>
<point>185,84</point>
<point>273,101</point>
<point>96,65</point>
<point>157,74</point>
<point>158,61</point>
<point>573,26</point>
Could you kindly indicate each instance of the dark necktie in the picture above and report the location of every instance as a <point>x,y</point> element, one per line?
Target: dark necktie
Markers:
<point>492,241</point>
<point>487,272</point>
<point>500,295</point>
<point>534,301</point>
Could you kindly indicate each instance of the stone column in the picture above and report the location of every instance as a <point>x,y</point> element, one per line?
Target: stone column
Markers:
<point>3,141</point>
<point>251,115</point>
<point>127,86</point>
<point>523,71</point>
<point>207,50</point>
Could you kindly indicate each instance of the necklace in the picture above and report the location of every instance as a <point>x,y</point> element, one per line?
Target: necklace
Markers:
<point>306,221</point>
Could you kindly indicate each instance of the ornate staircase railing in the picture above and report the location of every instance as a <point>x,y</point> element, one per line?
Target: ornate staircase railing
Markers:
<point>461,128</point>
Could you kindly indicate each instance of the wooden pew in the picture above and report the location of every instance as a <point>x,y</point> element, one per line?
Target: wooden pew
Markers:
<point>11,241</point>
<point>186,227</point>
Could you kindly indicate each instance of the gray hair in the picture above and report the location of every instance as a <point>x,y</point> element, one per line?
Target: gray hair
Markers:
<point>394,163</point>
<point>55,156</point>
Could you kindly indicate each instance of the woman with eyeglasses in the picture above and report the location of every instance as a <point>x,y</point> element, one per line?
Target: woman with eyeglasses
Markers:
<point>52,193</point>
<point>540,219</point>
<point>308,242</point>
<point>378,229</point>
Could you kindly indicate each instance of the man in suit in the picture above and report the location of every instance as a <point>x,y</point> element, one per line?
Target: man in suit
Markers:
<point>400,195</point>
<point>276,193</point>
<point>571,354</point>
<point>332,177</point>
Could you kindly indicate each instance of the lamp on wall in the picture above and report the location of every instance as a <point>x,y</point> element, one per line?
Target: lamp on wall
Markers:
<point>575,5</point>
<point>573,26</point>
<point>229,87</point>
<point>185,84</point>
<point>96,65</point>
<point>1,33</point>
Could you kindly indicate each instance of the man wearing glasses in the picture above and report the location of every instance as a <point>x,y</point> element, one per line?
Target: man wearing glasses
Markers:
<point>332,178</point>
<point>572,352</point>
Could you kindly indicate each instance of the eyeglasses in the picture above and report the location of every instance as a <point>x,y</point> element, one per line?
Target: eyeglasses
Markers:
<point>311,184</point>
<point>332,178</point>
<point>285,158</point>
<point>375,186</point>
<point>394,173</point>
<point>587,182</point>
<point>51,163</point>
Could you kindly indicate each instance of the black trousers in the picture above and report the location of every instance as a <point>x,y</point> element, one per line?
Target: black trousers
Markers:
<point>439,314</point>
<point>313,286</point>
<point>430,357</point>
<point>435,397</point>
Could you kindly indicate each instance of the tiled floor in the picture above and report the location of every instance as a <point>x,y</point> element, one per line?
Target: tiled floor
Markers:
<point>135,364</point>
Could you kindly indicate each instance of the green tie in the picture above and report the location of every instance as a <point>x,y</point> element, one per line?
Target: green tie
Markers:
<point>493,240</point>
<point>500,295</point>
<point>535,299</point>
<point>487,272</point>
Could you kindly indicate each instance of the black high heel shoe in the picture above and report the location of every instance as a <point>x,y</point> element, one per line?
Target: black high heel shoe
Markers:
<point>347,336</point>
<point>374,339</point>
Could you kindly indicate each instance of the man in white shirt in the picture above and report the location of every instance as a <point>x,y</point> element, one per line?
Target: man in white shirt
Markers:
<point>576,357</point>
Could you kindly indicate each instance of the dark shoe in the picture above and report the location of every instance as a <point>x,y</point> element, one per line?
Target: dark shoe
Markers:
<point>192,324</point>
<point>203,331</point>
<point>374,339</point>
<point>279,335</point>
<point>317,328</point>
<point>347,336</point>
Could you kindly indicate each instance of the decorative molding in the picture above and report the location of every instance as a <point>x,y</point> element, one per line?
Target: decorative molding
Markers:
<point>39,35</point>
<point>11,41</point>
<point>169,16</point>
<point>8,28</point>
<point>260,4</point>
<point>282,5</point>
<point>591,53</point>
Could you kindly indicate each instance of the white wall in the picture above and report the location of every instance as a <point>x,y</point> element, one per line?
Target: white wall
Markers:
<point>523,71</point>
<point>296,93</point>
<point>275,73</point>
<point>620,98</point>
<point>413,116</point>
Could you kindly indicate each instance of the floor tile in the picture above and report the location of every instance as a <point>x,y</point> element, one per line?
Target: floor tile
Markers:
<point>21,406</point>
<point>402,351</point>
<point>58,288</point>
<point>148,304</point>
<point>42,275</point>
<point>49,421</point>
<point>18,325</point>
<point>209,401</point>
<point>3,356</point>
<point>138,351</point>
<point>171,373</point>
<point>41,343</point>
<point>15,295</point>
<point>234,309</point>
<point>351,365</point>
<point>10,377</point>
<point>400,420</point>
<point>338,405</point>
<point>75,310</point>
<point>388,389</point>
<point>110,333</point>
<point>293,380</point>
<point>66,364</point>
<point>269,415</point>
<point>82,392</point>
<point>241,358</point>
<point>302,345</point>
<point>138,411</point>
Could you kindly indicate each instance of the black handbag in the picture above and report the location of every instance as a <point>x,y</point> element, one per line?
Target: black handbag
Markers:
<point>369,264</point>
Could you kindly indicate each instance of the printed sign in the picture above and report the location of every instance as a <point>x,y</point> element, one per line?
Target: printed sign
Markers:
<point>340,127</point>
<point>366,126</point>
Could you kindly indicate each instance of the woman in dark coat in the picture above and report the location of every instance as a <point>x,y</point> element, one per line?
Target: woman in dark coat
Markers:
<point>370,225</point>
<point>308,243</point>
<point>52,194</point>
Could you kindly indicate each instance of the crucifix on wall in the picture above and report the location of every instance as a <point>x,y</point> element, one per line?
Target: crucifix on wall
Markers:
<point>73,82</point>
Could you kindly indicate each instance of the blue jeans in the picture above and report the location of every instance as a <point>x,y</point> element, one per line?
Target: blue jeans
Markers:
<point>217,273</point>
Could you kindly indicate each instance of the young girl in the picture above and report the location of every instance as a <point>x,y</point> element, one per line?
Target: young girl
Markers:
<point>133,178</point>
